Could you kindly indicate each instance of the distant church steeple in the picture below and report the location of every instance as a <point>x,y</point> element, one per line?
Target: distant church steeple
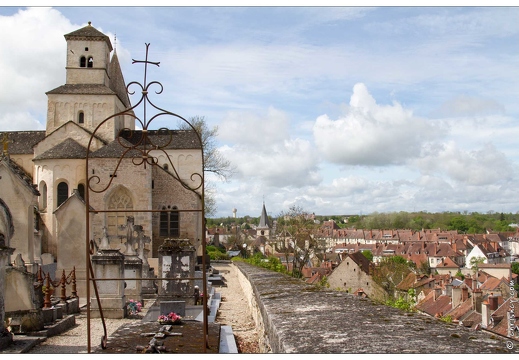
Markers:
<point>263,228</point>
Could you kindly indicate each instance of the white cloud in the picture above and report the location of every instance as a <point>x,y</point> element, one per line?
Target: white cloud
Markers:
<point>372,134</point>
<point>261,148</point>
<point>480,167</point>
<point>22,120</point>
<point>36,62</point>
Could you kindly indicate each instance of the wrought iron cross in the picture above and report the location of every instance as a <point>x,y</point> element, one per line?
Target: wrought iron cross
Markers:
<point>146,62</point>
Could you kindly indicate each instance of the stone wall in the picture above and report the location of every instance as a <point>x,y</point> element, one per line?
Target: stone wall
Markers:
<point>294,317</point>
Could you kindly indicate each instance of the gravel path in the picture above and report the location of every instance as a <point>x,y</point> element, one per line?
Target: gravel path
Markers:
<point>233,311</point>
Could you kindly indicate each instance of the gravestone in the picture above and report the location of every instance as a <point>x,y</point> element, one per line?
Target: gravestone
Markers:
<point>177,259</point>
<point>132,262</point>
<point>5,253</point>
<point>178,307</point>
<point>109,264</point>
<point>148,289</point>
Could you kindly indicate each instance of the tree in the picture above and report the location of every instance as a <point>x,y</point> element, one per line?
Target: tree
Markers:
<point>368,254</point>
<point>424,268</point>
<point>297,228</point>
<point>390,272</point>
<point>214,162</point>
<point>515,267</point>
<point>474,263</point>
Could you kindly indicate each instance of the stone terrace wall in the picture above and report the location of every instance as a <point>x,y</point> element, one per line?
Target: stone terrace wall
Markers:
<point>299,318</point>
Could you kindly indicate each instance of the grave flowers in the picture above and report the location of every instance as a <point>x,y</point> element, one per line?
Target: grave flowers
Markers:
<point>170,318</point>
<point>134,307</point>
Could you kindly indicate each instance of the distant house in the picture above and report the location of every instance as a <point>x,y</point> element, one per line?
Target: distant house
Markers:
<point>354,272</point>
<point>503,319</point>
<point>496,286</point>
<point>413,281</point>
<point>448,267</point>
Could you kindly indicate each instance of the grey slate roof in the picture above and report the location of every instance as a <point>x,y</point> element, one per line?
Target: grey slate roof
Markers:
<point>117,83</point>
<point>91,33</point>
<point>67,149</point>
<point>264,219</point>
<point>116,149</point>
<point>20,173</point>
<point>176,139</point>
<point>173,139</point>
<point>22,142</point>
<point>82,89</point>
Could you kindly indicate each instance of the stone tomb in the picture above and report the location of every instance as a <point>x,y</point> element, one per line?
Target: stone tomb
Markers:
<point>6,338</point>
<point>177,260</point>
<point>109,264</point>
<point>132,271</point>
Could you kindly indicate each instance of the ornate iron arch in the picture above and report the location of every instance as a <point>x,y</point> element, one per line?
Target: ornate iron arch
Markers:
<point>139,150</point>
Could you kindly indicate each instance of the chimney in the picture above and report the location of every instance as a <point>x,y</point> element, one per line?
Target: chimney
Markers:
<point>494,304</point>
<point>448,290</point>
<point>485,314</point>
<point>456,296</point>
<point>477,297</point>
<point>437,293</point>
<point>464,294</point>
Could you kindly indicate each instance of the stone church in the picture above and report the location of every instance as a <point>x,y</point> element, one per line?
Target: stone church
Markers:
<point>43,179</point>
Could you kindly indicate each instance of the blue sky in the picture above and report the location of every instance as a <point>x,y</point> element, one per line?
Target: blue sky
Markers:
<point>339,110</point>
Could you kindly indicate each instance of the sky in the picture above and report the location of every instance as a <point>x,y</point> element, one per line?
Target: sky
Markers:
<point>336,110</point>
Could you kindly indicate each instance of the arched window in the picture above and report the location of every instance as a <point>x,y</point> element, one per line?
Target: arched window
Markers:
<point>81,190</point>
<point>90,62</point>
<point>81,117</point>
<point>119,200</point>
<point>43,195</point>
<point>82,61</point>
<point>62,193</point>
<point>169,222</point>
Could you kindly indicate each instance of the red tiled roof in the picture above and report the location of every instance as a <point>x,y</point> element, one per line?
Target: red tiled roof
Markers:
<point>441,306</point>
<point>460,310</point>
<point>448,263</point>
<point>492,283</point>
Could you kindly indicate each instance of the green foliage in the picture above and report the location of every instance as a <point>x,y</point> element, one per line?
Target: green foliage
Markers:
<point>475,261</point>
<point>458,223</point>
<point>460,275</point>
<point>471,223</point>
<point>397,259</point>
<point>515,267</point>
<point>447,319</point>
<point>390,272</point>
<point>324,282</point>
<point>271,263</point>
<point>216,253</point>
<point>368,254</point>
<point>401,303</point>
<point>425,268</point>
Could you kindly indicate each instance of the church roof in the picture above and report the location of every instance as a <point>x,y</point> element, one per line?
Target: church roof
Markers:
<point>175,139</point>
<point>116,149</point>
<point>264,219</point>
<point>91,33</point>
<point>67,149</point>
<point>22,142</point>
<point>20,173</point>
<point>82,89</point>
<point>117,83</point>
